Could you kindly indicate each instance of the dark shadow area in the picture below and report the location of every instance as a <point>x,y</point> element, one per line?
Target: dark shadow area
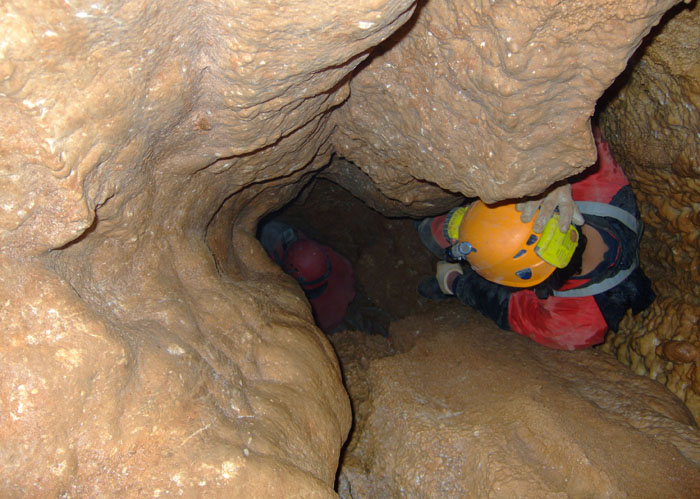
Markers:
<point>385,254</point>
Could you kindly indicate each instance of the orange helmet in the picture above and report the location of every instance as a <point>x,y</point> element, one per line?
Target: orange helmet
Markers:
<point>503,247</point>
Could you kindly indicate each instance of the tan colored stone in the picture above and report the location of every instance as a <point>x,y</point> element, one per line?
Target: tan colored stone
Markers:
<point>149,345</point>
<point>138,358</point>
<point>468,410</point>
<point>488,99</point>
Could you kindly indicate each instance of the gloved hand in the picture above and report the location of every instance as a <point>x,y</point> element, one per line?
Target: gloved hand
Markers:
<point>443,272</point>
<point>558,197</point>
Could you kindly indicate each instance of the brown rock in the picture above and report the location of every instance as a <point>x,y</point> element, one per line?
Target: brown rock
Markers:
<point>488,99</point>
<point>143,354</point>
<point>678,351</point>
<point>149,345</point>
<point>472,411</point>
<point>426,199</point>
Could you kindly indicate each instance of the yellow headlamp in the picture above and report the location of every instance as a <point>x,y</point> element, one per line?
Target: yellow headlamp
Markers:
<point>557,247</point>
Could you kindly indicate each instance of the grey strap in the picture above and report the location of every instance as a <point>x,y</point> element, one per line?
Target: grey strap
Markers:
<point>626,218</point>
<point>599,287</point>
<point>288,237</point>
<point>608,210</point>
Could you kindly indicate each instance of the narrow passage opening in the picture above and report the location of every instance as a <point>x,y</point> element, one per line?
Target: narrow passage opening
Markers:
<point>375,262</point>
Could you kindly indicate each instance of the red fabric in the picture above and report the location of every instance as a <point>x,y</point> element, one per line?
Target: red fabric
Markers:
<point>562,323</point>
<point>570,323</point>
<point>329,308</point>
<point>602,180</point>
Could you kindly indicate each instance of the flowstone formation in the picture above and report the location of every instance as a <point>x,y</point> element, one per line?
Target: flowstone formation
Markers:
<point>652,120</point>
<point>149,346</point>
<point>443,411</point>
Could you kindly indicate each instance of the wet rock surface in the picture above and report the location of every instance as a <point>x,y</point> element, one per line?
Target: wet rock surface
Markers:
<point>451,406</point>
<point>652,120</point>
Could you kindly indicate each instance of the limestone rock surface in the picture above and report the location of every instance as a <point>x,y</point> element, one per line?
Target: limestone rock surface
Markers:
<point>425,198</point>
<point>454,407</point>
<point>488,99</point>
<point>652,119</point>
<point>145,350</point>
<point>149,345</point>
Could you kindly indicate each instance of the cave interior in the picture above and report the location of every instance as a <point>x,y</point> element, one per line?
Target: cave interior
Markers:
<point>151,347</point>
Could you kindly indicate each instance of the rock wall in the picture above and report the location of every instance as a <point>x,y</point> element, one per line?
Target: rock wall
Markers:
<point>143,350</point>
<point>488,99</point>
<point>149,346</point>
<point>652,119</point>
<point>442,411</point>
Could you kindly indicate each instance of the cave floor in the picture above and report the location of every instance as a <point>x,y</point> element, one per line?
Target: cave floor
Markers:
<point>448,405</point>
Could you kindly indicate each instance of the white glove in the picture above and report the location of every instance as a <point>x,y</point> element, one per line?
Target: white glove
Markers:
<point>558,197</point>
<point>444,269</point>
